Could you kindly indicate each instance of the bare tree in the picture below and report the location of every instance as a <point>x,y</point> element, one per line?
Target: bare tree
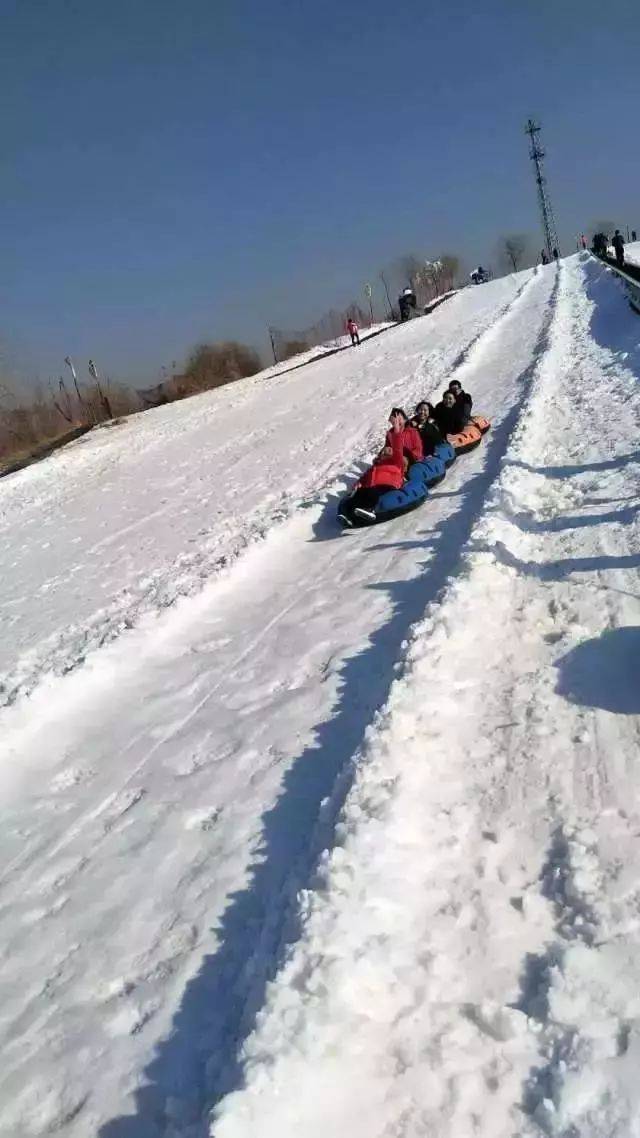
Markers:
<point>514,248</point>
<point>408,268</point>
<point>450,269</point>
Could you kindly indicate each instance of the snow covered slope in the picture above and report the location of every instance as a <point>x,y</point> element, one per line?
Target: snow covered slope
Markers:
<point>130,517</point>
<point>466,958</point>
<point>632,252</point>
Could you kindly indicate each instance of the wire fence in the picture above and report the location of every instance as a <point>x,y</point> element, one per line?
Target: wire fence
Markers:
<point>288,342</point>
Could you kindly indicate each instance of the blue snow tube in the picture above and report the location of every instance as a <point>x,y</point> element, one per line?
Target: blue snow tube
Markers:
<point>446,452</point>
<point>421,476</point>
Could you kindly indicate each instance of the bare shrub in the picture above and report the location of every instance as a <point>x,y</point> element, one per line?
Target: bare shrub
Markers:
<point>212,365</point>
<point>293,348</point>
<point>28,423</point>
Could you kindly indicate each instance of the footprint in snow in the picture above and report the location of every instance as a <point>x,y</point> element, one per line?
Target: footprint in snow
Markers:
<point>131,1018</point>
<point>71,776</point>
<point>121,805</point>
<point>203,819</point>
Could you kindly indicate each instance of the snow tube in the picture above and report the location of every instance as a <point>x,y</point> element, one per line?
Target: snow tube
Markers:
<point>394,503</point>
<point>466,439</point>
<point>481,423</point>
<point>446,452</point>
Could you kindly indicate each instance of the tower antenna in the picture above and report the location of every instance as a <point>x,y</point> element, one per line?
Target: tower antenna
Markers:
<point>536,154</point>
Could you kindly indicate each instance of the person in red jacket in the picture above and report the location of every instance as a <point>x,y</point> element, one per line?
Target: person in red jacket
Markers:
<point>352,329</point>
<point>386,473</point>
<point>411,440</point>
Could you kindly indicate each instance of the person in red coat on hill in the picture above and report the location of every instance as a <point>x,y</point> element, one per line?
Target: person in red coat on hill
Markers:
<point>352,329</point>
<point>387,471</point>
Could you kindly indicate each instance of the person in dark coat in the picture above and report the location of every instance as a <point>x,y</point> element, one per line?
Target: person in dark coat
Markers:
<point>463,399</point>
<point>618,247</point>
<point>428,429</point>
<point>449,415</point>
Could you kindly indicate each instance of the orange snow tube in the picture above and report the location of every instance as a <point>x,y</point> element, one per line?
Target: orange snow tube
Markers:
<point>481,423</point>
<point>465,440</point>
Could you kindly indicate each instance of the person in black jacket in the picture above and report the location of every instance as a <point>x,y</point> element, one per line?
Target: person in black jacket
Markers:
<point>462,398</point>
<point>449,415</point>
<point>618,246</point>
<point>427,427</point>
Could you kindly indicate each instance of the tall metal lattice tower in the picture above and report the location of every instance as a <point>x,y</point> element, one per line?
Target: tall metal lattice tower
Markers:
<point>546,212</point>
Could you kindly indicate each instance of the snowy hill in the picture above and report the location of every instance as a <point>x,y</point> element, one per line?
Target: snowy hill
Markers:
<point>449,705</point>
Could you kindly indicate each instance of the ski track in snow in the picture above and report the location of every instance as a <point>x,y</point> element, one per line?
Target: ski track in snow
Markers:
<point>129,519</point>
<point>464,959</point>
<point>469,961</point>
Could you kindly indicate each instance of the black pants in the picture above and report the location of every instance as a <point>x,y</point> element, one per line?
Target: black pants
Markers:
<point>355,339</point>
<point>619,258</point>
<point>366,496</point>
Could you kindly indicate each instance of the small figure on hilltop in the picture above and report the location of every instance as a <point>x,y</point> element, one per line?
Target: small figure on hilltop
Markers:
<point>353,330</point>
<point>406,301</point>
<point>556,255</point>
<point>544,260</point>
<point>618,247</point>
<point>479,275</point>
<point>599,245</point>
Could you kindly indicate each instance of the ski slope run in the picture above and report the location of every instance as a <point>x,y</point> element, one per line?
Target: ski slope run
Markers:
<point>447,704</point>
<point>123,522</point>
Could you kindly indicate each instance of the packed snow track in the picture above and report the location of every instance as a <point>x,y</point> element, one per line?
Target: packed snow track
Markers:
<point>320,833</point>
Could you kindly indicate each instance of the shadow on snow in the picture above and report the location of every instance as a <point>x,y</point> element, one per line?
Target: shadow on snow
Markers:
<point>603,672</point>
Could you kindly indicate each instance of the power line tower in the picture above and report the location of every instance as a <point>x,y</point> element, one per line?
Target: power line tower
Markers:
<point>548,222</point>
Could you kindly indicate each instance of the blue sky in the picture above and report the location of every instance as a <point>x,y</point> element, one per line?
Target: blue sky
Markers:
<point>172,172</point>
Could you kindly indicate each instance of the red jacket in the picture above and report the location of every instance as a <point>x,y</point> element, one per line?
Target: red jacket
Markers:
<point>411,443</point>
<point>389,470</point>
<point>351,326</point>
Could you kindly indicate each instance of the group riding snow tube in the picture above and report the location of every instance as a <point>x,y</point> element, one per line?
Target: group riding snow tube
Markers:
<point>423,475</point>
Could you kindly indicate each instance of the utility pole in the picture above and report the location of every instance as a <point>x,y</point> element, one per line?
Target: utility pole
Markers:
<point>70,365</point>
<point>273,346</point>
<point>537,154</point>
<point>106,406</point>
<point>368,292</point>
<point>384,281</point>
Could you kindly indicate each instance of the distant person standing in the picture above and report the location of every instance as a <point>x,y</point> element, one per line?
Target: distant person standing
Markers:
<point>352,329</point>
<point>618,247</point>
<point>583,241</point>
<point>633,235</point>
<point>556,255</point>
<point>543,257</point>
